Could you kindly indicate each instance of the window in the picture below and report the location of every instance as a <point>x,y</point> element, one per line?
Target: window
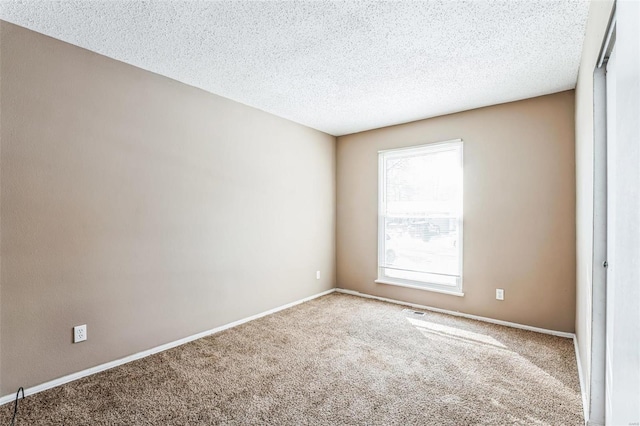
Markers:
<point>420,217</point>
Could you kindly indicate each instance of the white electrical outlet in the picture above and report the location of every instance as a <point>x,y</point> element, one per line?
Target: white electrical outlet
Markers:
<point>317,275</point>
<point>499,293</point>
<point>79,333</point>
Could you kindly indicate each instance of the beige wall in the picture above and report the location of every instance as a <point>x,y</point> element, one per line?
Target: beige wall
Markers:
<point>519,207</point>
<point>599,13</point>
<point>145,208</point>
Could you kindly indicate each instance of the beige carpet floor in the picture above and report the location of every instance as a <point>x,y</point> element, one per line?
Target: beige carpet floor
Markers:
<point>334,360</point>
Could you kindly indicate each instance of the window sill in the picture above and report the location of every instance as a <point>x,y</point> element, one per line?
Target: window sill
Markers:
<point>418,287</point>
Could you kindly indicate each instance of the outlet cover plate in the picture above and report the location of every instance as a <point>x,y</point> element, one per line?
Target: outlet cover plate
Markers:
<point>79,333</point>
<point>499,293</point>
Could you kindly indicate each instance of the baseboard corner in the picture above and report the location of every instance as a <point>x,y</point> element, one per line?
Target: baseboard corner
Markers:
<point>583,390</point>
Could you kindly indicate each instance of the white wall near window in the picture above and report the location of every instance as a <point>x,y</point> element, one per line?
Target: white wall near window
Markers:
<point>420,217</point>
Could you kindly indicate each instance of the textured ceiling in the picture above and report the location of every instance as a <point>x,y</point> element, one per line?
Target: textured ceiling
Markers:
<point>340,67</point>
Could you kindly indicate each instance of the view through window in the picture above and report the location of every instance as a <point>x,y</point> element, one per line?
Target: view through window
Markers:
<point>420,216</point>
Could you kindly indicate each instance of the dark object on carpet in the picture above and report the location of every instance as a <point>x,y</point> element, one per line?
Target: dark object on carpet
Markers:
<point>15,405</point>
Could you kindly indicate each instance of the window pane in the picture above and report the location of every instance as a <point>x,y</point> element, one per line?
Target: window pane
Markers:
<point>422,214</point>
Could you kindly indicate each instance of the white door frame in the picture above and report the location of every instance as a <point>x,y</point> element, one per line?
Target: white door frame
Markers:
<point>597,380</point>
<point>613,207</point>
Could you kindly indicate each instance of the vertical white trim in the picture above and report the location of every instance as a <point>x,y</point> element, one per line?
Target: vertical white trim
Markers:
<point>382,207</point>
<point>583,391</point>
<point>611,228</point>
<point>595,387</point>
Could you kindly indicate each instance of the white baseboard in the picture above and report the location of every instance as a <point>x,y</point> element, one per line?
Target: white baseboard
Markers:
<point>102,367</point>
<point>460,314</point>
<point>583,390</point>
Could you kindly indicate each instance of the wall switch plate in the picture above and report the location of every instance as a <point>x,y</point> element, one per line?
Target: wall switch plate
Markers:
<point>317,275</point>
<point>79,333</point>
<point>499,293</point>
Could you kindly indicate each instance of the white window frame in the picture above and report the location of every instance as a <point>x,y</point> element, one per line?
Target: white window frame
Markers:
<point>421,285</point>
